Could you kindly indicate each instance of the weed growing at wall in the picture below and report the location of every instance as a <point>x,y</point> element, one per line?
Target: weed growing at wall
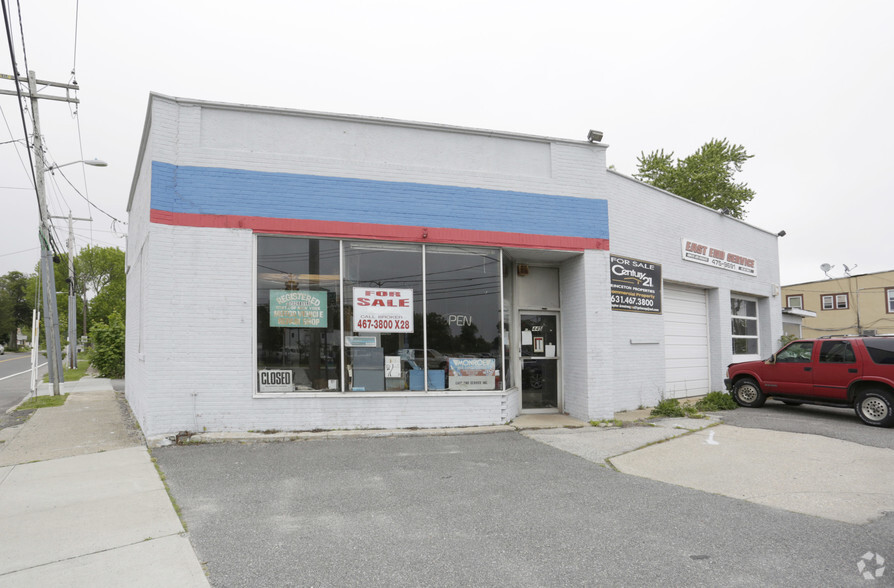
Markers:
<point>715,401</point>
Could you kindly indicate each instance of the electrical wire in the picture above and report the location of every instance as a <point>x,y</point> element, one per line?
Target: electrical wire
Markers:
<point>87,199</point>
<point>19,155</point>
<point>16,252</point>
<point>15,74</point>
<point>74,59</point>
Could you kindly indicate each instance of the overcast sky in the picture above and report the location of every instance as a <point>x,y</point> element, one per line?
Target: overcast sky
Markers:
<point>806,87</point>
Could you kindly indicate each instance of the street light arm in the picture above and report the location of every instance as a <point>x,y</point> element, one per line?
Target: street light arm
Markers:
<point>93,162</point>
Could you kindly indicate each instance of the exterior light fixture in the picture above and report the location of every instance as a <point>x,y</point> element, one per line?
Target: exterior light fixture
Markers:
<point>93,162</point>
<point>780,234</point>
<point>594,136</point>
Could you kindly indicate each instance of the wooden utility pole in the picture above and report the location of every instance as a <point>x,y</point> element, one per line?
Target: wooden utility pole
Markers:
<point>50,312</point>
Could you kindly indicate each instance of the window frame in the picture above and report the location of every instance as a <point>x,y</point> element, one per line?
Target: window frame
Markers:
<point>755,318</point>
<point>846,301</point>
<point>799,297</point>
<point>345,327</point>
<point>833,300</point>
<point>889,298</point>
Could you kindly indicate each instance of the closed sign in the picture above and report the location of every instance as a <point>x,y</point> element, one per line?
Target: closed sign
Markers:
<point>275,381</point>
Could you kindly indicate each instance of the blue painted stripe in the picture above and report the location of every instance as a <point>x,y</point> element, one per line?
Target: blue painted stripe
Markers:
<point>224,191</point>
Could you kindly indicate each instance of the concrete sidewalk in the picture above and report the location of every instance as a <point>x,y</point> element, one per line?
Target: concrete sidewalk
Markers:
<point>81,503</point>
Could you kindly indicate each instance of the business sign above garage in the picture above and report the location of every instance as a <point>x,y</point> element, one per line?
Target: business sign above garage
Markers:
<point>707,255</point>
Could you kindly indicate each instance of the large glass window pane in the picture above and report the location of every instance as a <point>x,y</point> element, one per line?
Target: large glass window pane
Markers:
<point>298,314</point>
<point>384,340</point>
<point>744,346</point>
<point>743,326</point>
<point>743,307</point>
<point>464,321</point>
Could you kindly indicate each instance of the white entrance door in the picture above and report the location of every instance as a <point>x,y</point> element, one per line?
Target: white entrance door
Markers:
<point>686,349</point>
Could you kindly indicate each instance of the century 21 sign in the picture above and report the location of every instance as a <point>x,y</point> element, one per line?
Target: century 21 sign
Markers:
<point>636,285</point>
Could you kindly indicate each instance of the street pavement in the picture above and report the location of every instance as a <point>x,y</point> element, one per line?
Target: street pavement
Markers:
<point>545,501</point>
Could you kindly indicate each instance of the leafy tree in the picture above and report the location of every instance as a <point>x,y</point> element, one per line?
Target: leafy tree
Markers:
<point>111,299</point>
<point>96,269</point>
<point>108,342</point>
<point>15,306</point>
<point>705,177</point>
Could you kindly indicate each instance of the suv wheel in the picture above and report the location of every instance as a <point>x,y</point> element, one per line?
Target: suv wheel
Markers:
<point>746,392</point>
<point>875,407</point>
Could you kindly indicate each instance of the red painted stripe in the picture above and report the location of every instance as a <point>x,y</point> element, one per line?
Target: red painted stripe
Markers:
<point>315,228</point>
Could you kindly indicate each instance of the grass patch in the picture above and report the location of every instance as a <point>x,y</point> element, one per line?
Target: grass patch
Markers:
<point>671,408</point>
<point>43,402</point>
<point>75,374</point>
<point>164,480</point>
<point>715,401</point>
<point>608,423</point>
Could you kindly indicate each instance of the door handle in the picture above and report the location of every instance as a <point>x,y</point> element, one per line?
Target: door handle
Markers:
<point>852,371</point>
<point>807,369</point>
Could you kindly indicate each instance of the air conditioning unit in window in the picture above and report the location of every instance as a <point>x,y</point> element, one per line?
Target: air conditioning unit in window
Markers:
<point>869,332</point>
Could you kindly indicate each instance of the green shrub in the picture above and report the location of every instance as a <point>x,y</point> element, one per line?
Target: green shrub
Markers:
<point>715,401</point>
<point>108,346</point>
<point>671,407</point>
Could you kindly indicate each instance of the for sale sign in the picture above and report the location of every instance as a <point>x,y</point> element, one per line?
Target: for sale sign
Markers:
<point>383,310</point>
<point>636,285</point>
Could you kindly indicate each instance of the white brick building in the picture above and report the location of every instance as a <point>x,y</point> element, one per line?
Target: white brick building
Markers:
<point>293,270</point>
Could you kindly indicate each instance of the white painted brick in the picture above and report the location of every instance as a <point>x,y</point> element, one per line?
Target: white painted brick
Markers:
<point>191,307</point>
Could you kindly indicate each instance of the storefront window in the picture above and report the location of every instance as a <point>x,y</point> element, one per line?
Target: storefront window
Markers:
<point>402,330</point>
<point>298,314</point>
<point>384,338</point>
<point>744,326</point>
<point>464,322</point>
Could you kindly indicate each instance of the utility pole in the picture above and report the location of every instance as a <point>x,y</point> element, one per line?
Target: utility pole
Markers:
<point>72,358</point>
<point>50,312</point>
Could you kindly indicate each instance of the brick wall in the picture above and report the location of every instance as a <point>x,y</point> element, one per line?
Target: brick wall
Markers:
<point>191,357</point>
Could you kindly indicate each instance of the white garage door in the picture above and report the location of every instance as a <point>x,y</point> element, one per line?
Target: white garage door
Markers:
<point>685,342</point>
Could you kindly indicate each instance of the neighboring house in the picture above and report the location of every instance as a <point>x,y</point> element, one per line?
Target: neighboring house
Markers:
<point>296,270</point>
<point>793,321</point>
<point>852,305</point>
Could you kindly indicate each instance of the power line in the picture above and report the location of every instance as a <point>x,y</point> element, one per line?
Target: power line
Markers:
<point>22,161</point>
<point>87,199</point>
<point>22,33</point>
<point>15,77</point>
<point>74,59</point>
<point>17,252</point>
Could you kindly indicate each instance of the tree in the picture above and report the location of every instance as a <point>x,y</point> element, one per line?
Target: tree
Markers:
<point>109,342</point>
<point>705,177</point>
<point>96,270</point>
<point>15,306</point>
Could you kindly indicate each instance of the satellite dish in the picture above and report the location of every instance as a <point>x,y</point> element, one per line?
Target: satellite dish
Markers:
<point>825,267</point>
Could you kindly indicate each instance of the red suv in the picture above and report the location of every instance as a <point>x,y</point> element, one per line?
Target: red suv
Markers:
<point>848,372</point>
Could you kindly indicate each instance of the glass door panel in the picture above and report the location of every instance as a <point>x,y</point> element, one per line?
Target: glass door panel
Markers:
<point>539,356</point>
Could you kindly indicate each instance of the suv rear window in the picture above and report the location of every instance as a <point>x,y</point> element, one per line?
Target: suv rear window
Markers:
<point>880,349</point>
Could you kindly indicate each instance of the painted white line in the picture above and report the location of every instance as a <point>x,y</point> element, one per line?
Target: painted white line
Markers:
<point>20,373</point>
<point>710,440</point>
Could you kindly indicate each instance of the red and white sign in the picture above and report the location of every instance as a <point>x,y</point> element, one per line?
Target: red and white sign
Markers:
<point>707,255</point>
<point>383,310</point>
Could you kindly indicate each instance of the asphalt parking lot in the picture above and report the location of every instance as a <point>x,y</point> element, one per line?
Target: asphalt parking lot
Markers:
<point>486,510</point>
<point>837,423</point>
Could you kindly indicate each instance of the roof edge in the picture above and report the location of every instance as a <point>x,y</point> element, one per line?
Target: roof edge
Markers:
<point>687,200</point>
